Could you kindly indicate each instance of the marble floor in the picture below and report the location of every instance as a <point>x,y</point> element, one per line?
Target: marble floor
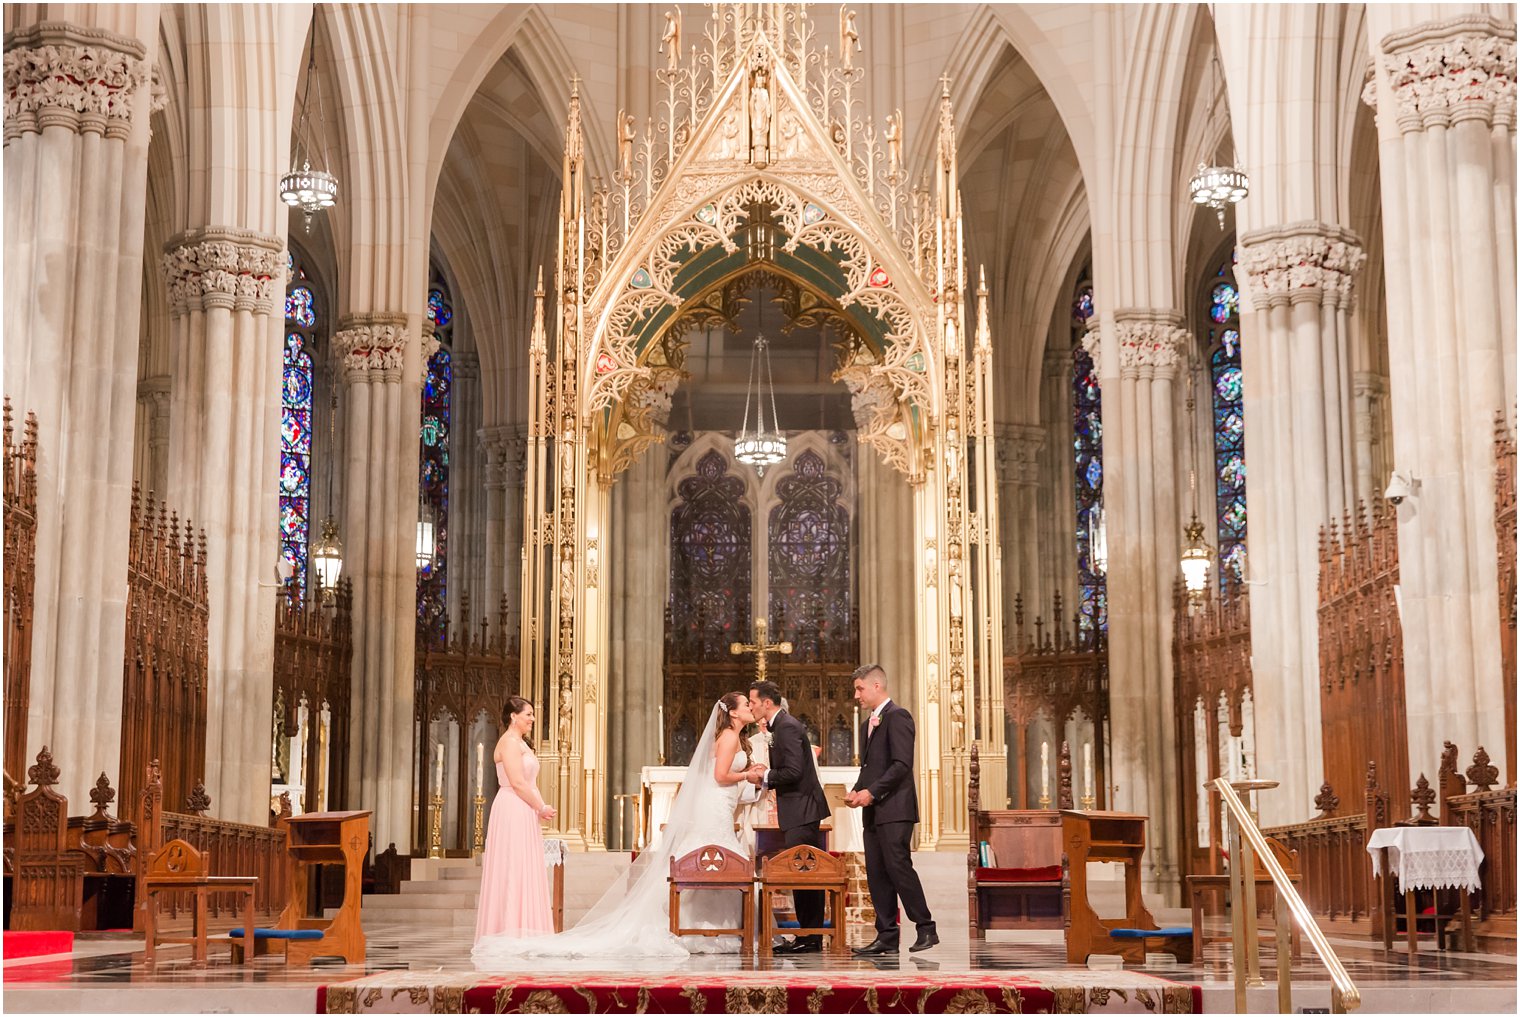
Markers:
<point>110,976</point>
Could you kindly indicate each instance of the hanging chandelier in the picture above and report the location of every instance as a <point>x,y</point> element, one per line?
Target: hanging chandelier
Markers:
<point>1218,187</point>
<point>327,552</point>
<point>426,536</point>
<point>304,188</point>
<point>757,446</point>
<point>1197,557</point>
<point>1097,536</point>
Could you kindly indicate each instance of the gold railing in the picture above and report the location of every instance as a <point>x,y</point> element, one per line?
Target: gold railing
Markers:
<point>1246,845</point>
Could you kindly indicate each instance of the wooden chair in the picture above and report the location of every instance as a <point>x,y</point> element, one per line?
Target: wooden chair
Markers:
<point>1028,886</point>
<point>806,867</point>
<point>1206,885</point>
<point>714,868</point>
<point>47,877</point>
<point>176,867</point>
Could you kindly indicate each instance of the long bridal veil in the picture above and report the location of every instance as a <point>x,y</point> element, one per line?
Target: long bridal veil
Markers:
<point>632,918</point>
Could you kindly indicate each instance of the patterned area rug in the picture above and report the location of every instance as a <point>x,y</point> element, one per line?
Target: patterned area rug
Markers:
<point>768,992</point>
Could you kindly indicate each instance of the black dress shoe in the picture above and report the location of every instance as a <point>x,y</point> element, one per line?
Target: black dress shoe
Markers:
<point>807,944</point>
<point>925,941</point>
<point>876,946</point>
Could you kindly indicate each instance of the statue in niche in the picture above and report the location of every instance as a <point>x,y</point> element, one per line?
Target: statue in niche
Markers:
<point>728,136</point>
<point>894,146</point>
<point>670,41</point>
<point>849,39</point>
<point>760,116</point>
<point>625,146</point>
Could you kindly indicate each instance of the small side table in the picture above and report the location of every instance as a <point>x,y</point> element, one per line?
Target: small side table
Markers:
<point>1425,858</point>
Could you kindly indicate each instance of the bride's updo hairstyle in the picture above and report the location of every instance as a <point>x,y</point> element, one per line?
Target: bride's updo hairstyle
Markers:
<point>728,704</point>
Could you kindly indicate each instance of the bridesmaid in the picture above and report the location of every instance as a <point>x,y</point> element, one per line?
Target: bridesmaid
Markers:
<point>514,886</point>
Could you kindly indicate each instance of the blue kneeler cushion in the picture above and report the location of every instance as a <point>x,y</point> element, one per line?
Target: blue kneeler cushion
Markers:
<point>1171,931</point>
<point>280,933</point>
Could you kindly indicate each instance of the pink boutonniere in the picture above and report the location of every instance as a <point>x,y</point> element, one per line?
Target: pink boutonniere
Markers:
<point>875,721</point>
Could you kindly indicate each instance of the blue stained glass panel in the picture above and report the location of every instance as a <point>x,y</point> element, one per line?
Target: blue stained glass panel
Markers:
<point>440,312</point>
<point>1087,446</point>
<point>299,307</point>
<point>1228,384</point>
<point>1094,473</point>
<point>1224,303</point>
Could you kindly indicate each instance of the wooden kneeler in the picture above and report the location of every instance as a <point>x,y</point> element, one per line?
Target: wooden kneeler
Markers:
<point>806,867</point>
<point>714,868</point>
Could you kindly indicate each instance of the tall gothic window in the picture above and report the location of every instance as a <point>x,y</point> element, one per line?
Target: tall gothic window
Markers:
<point>810,562</point>
<point>1229,421</point>
<point>710,563</point>
<point>432,578</point>
<point>1087,444</point>
<point>295,422</point>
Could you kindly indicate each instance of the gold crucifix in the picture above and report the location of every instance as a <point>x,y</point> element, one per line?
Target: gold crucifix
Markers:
<point>760,648</point>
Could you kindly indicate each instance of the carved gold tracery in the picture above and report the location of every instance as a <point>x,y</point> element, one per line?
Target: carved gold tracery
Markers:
<point>758,155</point>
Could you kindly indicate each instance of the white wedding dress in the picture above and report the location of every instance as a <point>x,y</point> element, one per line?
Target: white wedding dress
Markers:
<point>632,919</point>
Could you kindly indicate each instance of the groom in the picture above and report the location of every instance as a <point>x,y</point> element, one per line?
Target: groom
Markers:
<point>886,793</point>
<point>800,802</point>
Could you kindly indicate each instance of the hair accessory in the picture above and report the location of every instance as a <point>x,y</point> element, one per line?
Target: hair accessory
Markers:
<point>722,706</point>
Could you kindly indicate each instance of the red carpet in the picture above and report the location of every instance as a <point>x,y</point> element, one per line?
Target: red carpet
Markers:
<point>772,992</point>
<point>37,944</point>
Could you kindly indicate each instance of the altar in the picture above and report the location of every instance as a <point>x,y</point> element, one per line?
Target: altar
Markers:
<point>660,784</point>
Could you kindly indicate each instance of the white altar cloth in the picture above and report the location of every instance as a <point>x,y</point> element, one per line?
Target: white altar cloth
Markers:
<point>1428,857</point>
<point>662,782</point>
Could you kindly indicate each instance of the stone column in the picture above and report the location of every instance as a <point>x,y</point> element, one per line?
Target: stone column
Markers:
<point>1296,282</point>
<point>505,450</point>
<point>151,467</point>
<point>379,522</point>
<point>640,577</point>
<point>225,286</point>
<point>885,528</point>
<point>76,158</point>
<point>1369,391</point>
<point>1058,516</point>
<point>1445,96</point>
<point>1145,523</point>
<point>1018,469</point>
<point>466,541</point>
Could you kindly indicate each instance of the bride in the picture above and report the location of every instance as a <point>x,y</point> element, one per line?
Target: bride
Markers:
<point>633,916</point>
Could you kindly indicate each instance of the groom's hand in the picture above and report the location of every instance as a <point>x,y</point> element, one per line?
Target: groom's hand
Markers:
<point>859,799</point>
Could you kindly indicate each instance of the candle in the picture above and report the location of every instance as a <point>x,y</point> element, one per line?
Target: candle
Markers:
<point>855,735</point>
<point>661,758</point>
<point>1087,772</point>
<point>480,768</point>
<point>1044,769</point>
<point>438,772</point>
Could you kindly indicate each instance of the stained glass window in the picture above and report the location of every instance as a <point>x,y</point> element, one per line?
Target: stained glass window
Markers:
<point>810,563</point>
<point>295,424</point>
<point>432,578</point>
<point>1087,446</point>
<point>1229,421</point>
<point>710,564</point>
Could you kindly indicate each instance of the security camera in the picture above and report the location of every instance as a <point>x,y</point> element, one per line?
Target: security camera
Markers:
<point>1400,486</point>
<point>284,569</point>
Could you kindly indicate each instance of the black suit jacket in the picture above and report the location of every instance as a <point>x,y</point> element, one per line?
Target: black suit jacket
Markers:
<point>799,796</point>
<point>886,768</point>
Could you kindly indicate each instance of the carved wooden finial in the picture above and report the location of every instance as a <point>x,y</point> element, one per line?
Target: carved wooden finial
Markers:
<point>1372,784</point>
<point>199,801</point>
<point>1326,801</point>
<point>1482,774</point>
<point>1423,796</point>
<point>1063,785</point>
<point>1448,758</point>
<point>155,774</point>
<point>286,810</point>
<point>102,795</point>
<point>43,773</point>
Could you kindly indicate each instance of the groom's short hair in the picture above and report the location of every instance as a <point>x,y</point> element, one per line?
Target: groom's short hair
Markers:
<point>867,670</point>
<point>767,690</point>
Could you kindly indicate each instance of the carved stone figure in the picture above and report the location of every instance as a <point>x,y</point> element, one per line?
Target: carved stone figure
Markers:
<point>760,116</point>
<point>625,145</point>
<point>670,41</point>
<point>894,145</point>
<point>849,39</point>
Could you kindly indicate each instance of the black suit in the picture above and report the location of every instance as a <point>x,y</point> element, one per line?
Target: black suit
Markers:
<point>887,772</point>
<point>800,802</point>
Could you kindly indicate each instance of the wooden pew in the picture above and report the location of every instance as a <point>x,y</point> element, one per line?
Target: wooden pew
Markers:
<point>1029,885</point>
<point>47,873</point>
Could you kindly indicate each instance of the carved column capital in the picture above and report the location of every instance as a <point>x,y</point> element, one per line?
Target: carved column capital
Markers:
<point>1018,447</point>
<point>219,266</point>
<point>466,366</point>
<point>1452,70</point>
<point>373,347</point>
<point>1303,261</point>
<point>1151,343</point>
<point>60,75</point>
<point>506,449</point>
<point>430,343</point>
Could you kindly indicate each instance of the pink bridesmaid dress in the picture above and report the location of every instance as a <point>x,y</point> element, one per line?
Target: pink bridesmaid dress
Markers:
<point>514,884</point>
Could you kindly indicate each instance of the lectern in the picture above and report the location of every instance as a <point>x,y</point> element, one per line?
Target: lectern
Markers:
<point>1104,837</point>
<point>326,838</point>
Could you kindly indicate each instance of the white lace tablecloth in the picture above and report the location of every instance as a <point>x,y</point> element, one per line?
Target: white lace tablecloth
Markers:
<point>554,852</point>
<point>1428,857</point>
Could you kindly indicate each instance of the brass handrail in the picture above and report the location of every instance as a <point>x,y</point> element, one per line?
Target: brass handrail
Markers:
<point>1344,995</point>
